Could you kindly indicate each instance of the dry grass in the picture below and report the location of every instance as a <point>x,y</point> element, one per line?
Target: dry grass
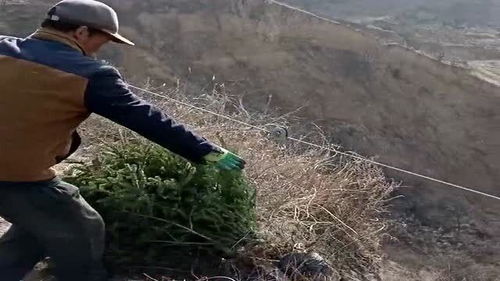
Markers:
<point>308,200</point>
<point>460,267</point>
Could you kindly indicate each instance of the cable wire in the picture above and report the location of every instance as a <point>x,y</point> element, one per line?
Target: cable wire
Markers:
<point>467,189</point>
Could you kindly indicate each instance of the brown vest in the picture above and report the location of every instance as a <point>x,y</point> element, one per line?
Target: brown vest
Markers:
<point>40,109</point>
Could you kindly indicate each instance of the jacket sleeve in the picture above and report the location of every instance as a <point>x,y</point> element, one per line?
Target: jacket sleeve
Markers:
<point>108,95</point>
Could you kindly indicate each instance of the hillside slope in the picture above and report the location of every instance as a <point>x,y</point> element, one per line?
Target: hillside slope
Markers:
<point>460,12</point>
<point>405,108</point>
<point>464,32</point>
<point>409,110</point>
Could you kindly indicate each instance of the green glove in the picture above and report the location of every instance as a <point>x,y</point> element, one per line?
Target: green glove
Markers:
<point>225,160</point>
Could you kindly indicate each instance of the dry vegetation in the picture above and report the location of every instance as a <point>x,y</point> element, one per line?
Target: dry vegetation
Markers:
<point>308,199</point>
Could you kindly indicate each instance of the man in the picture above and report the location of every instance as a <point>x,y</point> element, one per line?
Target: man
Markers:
<point>50,84</point>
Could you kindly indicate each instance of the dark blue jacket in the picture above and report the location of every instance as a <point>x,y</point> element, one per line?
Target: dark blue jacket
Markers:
<point>48,86</point>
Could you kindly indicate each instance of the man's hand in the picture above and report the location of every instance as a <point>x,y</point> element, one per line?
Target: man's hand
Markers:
<point>225,160</point>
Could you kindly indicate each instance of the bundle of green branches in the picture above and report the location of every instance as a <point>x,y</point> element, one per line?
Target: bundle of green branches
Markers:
<point>159,207</point>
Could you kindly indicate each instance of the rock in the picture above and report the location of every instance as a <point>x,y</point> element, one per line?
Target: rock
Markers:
<point>298,266</point>
<point>41,272</point>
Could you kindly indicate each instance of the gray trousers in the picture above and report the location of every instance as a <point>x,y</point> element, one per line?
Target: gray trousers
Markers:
<point>50,219</point>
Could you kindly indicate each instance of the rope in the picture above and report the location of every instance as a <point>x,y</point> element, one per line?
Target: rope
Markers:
<point>467,189</point>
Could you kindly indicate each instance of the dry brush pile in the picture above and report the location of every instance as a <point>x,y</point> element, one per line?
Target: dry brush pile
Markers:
<point>307,200</point>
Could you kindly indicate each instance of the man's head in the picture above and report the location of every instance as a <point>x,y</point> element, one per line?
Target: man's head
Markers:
<point>91,23</point>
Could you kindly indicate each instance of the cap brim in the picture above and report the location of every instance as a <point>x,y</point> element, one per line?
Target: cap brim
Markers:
<point>119,39</point>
